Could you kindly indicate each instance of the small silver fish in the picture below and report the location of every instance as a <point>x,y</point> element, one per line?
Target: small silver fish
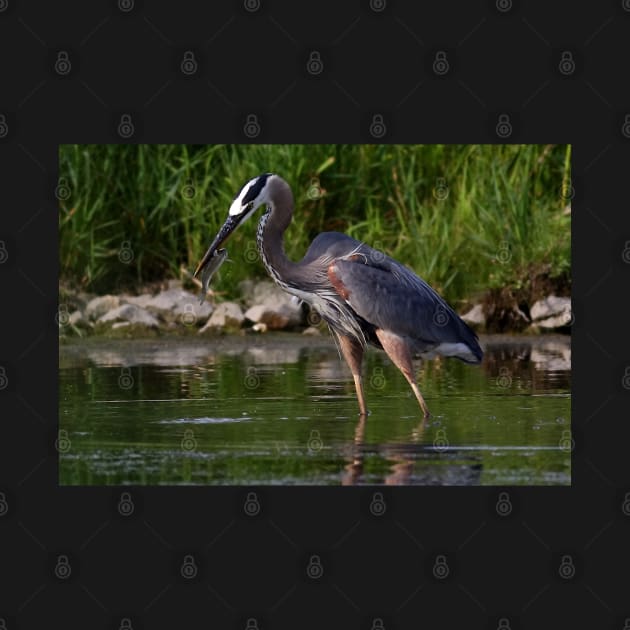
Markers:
<point>209,269</point>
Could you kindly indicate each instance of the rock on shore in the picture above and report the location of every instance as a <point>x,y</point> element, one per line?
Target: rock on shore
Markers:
<point>263,306</point>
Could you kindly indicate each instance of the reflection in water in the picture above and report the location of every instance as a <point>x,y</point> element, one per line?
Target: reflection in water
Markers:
<point>241,410</point>
<point>400,456</point>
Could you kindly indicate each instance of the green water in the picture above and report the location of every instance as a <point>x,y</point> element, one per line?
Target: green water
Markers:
<point>281,409</point>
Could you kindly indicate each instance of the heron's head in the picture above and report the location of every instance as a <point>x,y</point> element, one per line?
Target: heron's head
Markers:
<point>253,195</point>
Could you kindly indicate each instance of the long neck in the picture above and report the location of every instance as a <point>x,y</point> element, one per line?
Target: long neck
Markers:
<point>269,236</point>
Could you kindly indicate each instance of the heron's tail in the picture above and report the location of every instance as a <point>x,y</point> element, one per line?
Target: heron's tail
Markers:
<point>473,352</point>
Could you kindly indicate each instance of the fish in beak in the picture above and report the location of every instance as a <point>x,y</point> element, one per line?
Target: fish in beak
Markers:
<point>231,223</point>
<point>215,256</point>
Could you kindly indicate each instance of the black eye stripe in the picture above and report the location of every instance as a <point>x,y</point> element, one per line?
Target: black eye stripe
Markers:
<point>255,188</point>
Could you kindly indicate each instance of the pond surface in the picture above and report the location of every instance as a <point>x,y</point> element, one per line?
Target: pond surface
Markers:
<point>281,409</point>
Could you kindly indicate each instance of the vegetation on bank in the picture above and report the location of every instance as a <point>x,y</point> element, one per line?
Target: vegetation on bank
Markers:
<point>467,218</point>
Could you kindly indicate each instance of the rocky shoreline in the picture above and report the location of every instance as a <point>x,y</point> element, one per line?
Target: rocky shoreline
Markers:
<point>263,307</point>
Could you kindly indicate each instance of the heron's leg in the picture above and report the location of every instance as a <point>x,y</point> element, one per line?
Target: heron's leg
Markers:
<point>353,354</point>
<point>398,351</point>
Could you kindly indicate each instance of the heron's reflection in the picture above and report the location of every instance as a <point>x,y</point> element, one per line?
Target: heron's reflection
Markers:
<point>402,459</point>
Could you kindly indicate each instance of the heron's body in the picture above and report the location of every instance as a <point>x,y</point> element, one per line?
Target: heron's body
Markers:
<point>365,296</point>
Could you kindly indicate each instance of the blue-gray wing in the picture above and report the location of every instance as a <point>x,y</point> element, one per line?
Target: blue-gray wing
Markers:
<point>389,296</point>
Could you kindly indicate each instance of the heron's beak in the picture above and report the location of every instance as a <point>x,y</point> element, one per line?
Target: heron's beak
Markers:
<point>231,223</point>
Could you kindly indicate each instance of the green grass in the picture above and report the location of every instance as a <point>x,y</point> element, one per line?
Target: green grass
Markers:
<point>464,217</point>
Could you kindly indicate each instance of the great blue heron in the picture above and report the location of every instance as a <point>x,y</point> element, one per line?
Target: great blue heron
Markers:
<point>365,296</point>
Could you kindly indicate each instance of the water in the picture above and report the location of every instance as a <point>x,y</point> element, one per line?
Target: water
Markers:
<point>281,409</point>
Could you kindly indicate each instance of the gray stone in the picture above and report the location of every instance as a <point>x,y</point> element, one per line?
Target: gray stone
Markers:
<point>311,331</point>
<point>551,307</point>
<point>267,291</point>
<point>118,325</point>
<point>272,306</point>
<point>226,315</point>
<point>558,321</point>
<point>191,312</point>
<point>129,313</point>
<point>246,289</point>
<point>255,313</point>
<point>475,316</point>
<point>100,305</point>
<point>169,300</point>
<point>138,300</point>
<point>78,319</point>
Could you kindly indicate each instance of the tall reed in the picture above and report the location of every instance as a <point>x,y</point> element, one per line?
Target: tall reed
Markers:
<point>464,217</point>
